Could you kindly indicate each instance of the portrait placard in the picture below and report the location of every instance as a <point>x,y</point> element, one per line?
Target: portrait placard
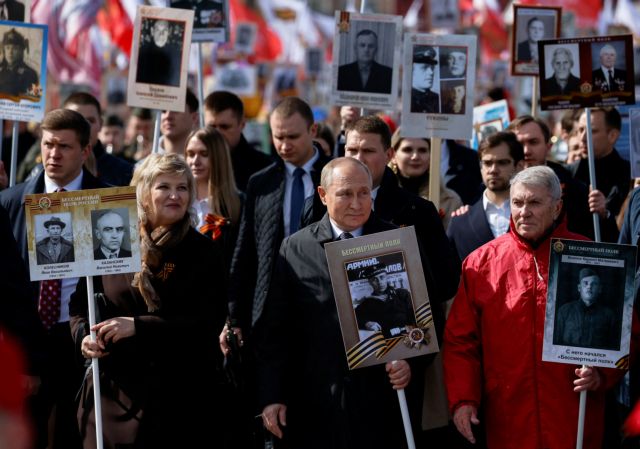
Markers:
<point>489,119</point>
<point>438,86</point>
<point>366,60</point>
<point>82,233</point>
<point>240,79</point>
<point>23,72</point>
<point>313,61</point>
<point>210,19</point>
<point>159,58</point>
<point>16,10</point>
<point>634,141</point>
<point>443,14</point>
<point>531,24</point>
<point>245,38</point>
<point>381,296</point>
<point>589,303</point>
<point>586,72</point>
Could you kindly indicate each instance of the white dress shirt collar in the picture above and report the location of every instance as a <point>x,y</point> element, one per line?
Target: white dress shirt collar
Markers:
<point>50,186</point>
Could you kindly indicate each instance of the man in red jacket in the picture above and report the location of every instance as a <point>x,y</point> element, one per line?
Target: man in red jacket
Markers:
<point>493,337</point>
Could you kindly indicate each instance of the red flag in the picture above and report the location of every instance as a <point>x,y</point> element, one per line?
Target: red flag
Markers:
<point>114,20</point>
<point>632,424</point>
<point>268,45</point>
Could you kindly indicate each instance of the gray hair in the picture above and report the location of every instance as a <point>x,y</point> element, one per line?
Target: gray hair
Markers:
<point>562,50</point>
<point>326,177</point>
<point>541,176</point>
<point>608,47</point>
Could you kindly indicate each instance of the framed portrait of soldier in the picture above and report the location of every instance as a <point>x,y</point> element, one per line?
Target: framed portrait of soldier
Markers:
<point>488,119</point>
<point>23,71</point>
<point>210,18</point>
<point>381,296</point>
<point>531,24</point>
<point>159,58</point>
<point>82,233</point>
<point>245,38</point>
<point>438,85</point>
<point>589,303</point>
<point>586,72</point>
<point>442,14</point>
<point>366,60</point>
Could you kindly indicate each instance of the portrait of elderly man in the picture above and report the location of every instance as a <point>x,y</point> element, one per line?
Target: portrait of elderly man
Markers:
<point>586,322</point>
<point>109,232</point>
<point>562,82</point>
<point>16,77</point>
<point>607,77</point>
<point>528,50</point>
<point>159,60</point>
<point>386,309</point>
<point>423,99</point>
<point>365,74</point>
<point>454,62</point>
<point>494,334</point>
<point>54,248</point>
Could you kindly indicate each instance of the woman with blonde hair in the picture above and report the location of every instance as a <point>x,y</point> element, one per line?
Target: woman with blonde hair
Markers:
<point>154,326</point>
<point>218,203</point>
<point>410,162</point>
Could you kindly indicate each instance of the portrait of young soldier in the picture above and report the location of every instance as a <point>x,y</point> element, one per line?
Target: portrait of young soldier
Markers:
<point>16,77</point>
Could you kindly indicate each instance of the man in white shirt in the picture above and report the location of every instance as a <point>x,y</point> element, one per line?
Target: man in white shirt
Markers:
<point>501,156</point>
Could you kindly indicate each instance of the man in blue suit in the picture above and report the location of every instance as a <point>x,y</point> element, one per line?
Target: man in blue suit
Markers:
<point>501,156</point>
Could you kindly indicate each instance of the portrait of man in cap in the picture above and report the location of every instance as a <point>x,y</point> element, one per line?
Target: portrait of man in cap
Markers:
<point>54,248</point>
<point>586,322</point>
<point>16,77</point>
<point>386,309</point>
<point>423,99</point>
<point>365,74</point>
<point>109,231</point>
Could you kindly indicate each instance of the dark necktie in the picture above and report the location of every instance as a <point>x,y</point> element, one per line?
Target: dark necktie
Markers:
<point>49,298</point>
<point>297,200</point>
<point>345,236</point>
<point>610,79</point>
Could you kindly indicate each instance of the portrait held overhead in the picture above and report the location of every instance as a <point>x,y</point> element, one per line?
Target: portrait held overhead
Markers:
<point>610,75</point>
<point>17,78</point>
<point>532,24</point>
<point>160,54</point>
<point>365,74</point>
<point>425,62</point>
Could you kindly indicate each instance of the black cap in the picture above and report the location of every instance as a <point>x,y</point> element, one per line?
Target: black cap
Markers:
<point>12,37</point>
<point>424,54</point>
<point>54,221</point>
<point>372,271</point>
<point>587,272</point>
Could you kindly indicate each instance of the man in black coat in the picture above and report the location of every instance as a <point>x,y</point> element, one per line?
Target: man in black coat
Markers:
<point>109,231</point>
<point>160,60</point>
<point>365,74</point>
<point>65,147</point>
<point>607,77</point>
<point>225,112</point>
<point>304,381</point>
<point>11,10</point>
<point>562,82</point>
<point>528,50</point>
<point>501,157</point>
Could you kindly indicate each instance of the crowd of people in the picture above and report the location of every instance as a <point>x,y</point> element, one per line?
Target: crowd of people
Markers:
<point>229,336</point>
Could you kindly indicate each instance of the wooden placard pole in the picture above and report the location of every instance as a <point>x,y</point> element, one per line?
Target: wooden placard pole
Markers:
<point>14,153</point>
<point>95,367</point>
<point>434,171</point>
<point>156,132</point>
<point>200,81</point>
<point>534,96</point>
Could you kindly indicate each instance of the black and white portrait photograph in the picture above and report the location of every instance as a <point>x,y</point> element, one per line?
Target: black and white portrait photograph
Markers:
<point>381,298</point>
<point>609,66</point>
<point>488,128</point>
<point>313,61</point>
<point>589,303</point>
<point>160,57</point>
<point>443,14</point>
<point>532,24</point>
<point>245,38</point>
<point>20,65</point>
<point>562,70</point>
<point>240,79</point>
<point>54,238</point>
<point>367,60</point>
<point>210,18</point>
<point>425,93</point>
<point>439,78</point>
<point>111,233</point>
<point>15,10</point>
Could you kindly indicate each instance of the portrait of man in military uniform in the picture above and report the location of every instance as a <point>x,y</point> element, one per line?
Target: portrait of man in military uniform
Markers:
<point>386,309</point>
<point>16,77</point>
<point>425,61</point>
<point>54,248</point>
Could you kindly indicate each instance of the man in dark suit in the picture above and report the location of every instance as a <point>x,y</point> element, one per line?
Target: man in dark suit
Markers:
<point>11,10</point>
<point>423,99</point>
<point>528,50</point>
<point>160,60</point>
<point>562,82</point>
<point>608,78</point>
<point>365,74</point>
<point>304,381</point>
<point>54,248</point>
<point>225,112</point>
<point>460,171</point>
<point>65,147</point>
<point>501,156</point>
<point>110,232</point>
